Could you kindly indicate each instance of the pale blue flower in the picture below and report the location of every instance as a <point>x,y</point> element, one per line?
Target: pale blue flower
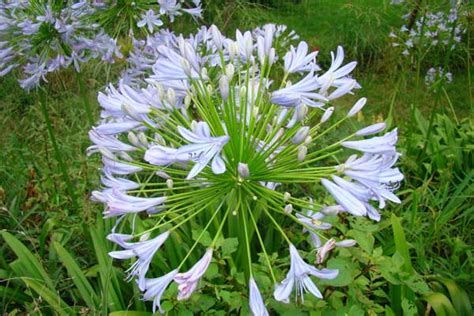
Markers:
<point>144,252</point>
<point>188,281</point>
<point>150,20</point>
<point>299,278</point>
<point>257,306</point>
<point>154,289</point>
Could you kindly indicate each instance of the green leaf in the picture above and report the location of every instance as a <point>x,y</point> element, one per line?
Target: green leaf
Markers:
<point>440,304</point>
<point>84,287</point>
<point>364,239</point>
<point>30,265</point>
<point>229,246</point>
<point>459,297</point>
<point>401,243</point>
<point>53,299</point>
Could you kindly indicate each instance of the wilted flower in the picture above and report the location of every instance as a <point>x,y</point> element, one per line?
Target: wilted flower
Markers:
<point>217,129</point>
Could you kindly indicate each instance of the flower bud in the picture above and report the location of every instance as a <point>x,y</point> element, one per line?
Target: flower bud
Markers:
<point>308,140</point>
<point>186,67</point>
<point>233,50</point>
<point>371,129</point>
<point>187,101</point>
<point>145,237</point>
<point>300,135</point>
<point>169,183</point>
<point>142,138</point>
<point>271,56</point>
<point>163,175</point>
<point>255,112</point>
<point>288,208</point>
<point>301,111</point>
<point>159,139</point>
<point>224,87</point>
<point>302,151</point>
<point>133,139</point>
<point>204,75</point>
<point>171,96</point>
<point>346,243</point>
<point>332,210</point>
<point>357,107</point>
<point>243,92</point>
<point>210,90</point>
<point>243,170</point>
<point>229,71</point>
<point>216,36</point>
<point>327,114</point>
<point>286,196</point>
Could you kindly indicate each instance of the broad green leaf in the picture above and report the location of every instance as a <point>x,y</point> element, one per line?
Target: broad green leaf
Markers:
<point>30,264</point>
<point>53,299</point>
<point>440,304</point>
<point>400,242</point>
<point>83,286</point>
<point>459,297</point>
<point>229,246</point>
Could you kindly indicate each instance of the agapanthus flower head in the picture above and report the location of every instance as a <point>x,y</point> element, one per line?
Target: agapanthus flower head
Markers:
<point>141,17</point>
<point>439,29</point>
<point>437,76</point>
<point>224,129</point>
<point>43,36</point>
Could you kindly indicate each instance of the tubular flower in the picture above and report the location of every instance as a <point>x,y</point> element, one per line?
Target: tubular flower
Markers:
<point>212,131</point>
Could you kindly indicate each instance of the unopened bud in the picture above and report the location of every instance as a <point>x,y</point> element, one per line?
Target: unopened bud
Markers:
<point>187,101</point>
<point>300,135</point>
<point>288,208</point>
<point>302,151</point>
<point>216,36</point>
<point>204,75</point>
<point>142,138</point>
<point>169,183</point>
<point>327,114</point>
<point>271,56</point>
<point>357,107</point>
<point>301,111</point>
<point>243,92</point>
<point>145,237</point>
<point>332,210</point>
<point>210,90</point>
<point>286,196</point>
<point>159,139</point>
<point>233,50</point>
<point>255,111</point>
<point>171,96</point>
<point>346,243</point>
<point>224,87</point>
<point>133,139</point>
<point>186,67</point>
<point>163,175</point>
<point>243,170</point>
<point>308,140</point>
<point>229,71</point>
<point>371,129</point>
